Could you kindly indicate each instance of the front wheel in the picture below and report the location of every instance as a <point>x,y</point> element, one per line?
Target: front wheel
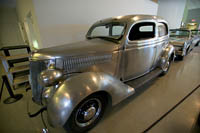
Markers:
<point>86,115</point>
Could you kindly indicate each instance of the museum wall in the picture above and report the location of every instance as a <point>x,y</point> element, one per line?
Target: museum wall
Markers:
<point>193,4</point>
<point>25,7</point>
<point>67,21</point>
<point>193,7</point>
<point>9,30</point>
<point>172,11</point>
<point>193,14</point>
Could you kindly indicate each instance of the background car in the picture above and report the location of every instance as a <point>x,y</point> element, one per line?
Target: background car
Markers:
<point>182,40</point>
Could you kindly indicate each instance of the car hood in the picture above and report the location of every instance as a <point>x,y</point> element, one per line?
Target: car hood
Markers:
<point>93,46</point>
<point>177,41</point>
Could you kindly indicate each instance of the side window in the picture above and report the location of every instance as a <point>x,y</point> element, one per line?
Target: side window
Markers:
<point>141,31</point>
<point>100,31</point>
<point>162,29</point>
<point>117,30</point>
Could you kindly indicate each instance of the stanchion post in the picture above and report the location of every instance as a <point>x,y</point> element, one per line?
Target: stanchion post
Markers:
<point>13,97</point>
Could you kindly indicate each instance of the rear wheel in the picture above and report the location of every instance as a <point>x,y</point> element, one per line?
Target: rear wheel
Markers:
<point>86,115</point>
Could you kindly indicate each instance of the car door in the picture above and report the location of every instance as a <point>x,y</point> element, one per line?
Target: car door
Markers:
<point>162,41</point>
<point>140,49</point>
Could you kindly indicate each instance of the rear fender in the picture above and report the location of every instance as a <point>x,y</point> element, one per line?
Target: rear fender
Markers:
<point>73,90</point>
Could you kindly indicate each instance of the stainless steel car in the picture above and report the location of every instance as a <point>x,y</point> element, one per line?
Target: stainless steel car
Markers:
<point>77,81</point>
<point>183,41</point>
<point>196,37</point>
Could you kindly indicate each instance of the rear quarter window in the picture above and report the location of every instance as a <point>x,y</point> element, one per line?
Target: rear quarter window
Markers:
<point>162,29</point>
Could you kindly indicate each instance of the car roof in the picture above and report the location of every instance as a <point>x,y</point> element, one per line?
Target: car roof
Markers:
<point>131,18</point>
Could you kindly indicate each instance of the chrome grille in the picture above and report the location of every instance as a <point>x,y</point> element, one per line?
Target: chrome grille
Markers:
<point>75,63</point>
<point>35,68</point>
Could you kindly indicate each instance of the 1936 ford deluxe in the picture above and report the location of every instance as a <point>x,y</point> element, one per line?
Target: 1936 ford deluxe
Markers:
<point>77,81</point>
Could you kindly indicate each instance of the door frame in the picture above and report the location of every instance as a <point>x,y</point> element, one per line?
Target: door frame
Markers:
<point>139,44</point>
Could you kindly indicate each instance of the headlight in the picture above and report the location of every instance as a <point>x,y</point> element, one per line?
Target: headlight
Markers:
<point>50,77</point>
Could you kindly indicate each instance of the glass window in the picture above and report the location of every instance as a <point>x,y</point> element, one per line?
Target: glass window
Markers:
<point>146,28</point>
<point>195,32</point>
<point>162,29</point>
<point>141,31</point>
<point>179,33</point>
<point>100,31</point>
<point>117,30</point>
<point>110,30</point>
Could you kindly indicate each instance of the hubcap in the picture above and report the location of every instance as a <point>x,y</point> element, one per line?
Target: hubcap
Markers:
<point>88,112</point>
<point>166,66</point>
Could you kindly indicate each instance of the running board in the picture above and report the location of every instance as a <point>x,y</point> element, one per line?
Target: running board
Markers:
<point>139,82</point>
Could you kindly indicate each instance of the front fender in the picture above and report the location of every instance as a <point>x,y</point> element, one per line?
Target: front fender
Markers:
<point>167,53</point>
<point>73,90</point>
<point>169,50</point>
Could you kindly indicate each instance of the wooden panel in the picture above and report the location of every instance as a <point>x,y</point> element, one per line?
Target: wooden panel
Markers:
<point>17,57</point>
<point>19,68</point>
<point>20,80</point>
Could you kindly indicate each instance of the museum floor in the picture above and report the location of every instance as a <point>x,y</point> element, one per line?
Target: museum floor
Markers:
<point>163,106</point>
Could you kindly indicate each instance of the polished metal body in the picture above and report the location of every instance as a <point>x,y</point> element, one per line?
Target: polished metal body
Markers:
<point>98,66</point>
<point>50,77</point>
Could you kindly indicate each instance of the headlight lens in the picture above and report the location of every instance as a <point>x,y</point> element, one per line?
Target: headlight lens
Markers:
<point>50,77</point>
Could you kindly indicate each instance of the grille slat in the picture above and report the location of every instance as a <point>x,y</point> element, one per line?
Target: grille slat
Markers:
<point>35,68</point>
<point>76,63</point>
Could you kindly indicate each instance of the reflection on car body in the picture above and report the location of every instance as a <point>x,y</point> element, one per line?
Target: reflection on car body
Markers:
<point>77,81</point>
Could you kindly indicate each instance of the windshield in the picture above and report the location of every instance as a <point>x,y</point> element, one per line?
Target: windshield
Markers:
<point>109,30</point>
<point>195,32</point>
<point>179,33</point>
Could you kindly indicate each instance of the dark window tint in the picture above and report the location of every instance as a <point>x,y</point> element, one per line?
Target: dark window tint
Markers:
<point>141,31</point>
